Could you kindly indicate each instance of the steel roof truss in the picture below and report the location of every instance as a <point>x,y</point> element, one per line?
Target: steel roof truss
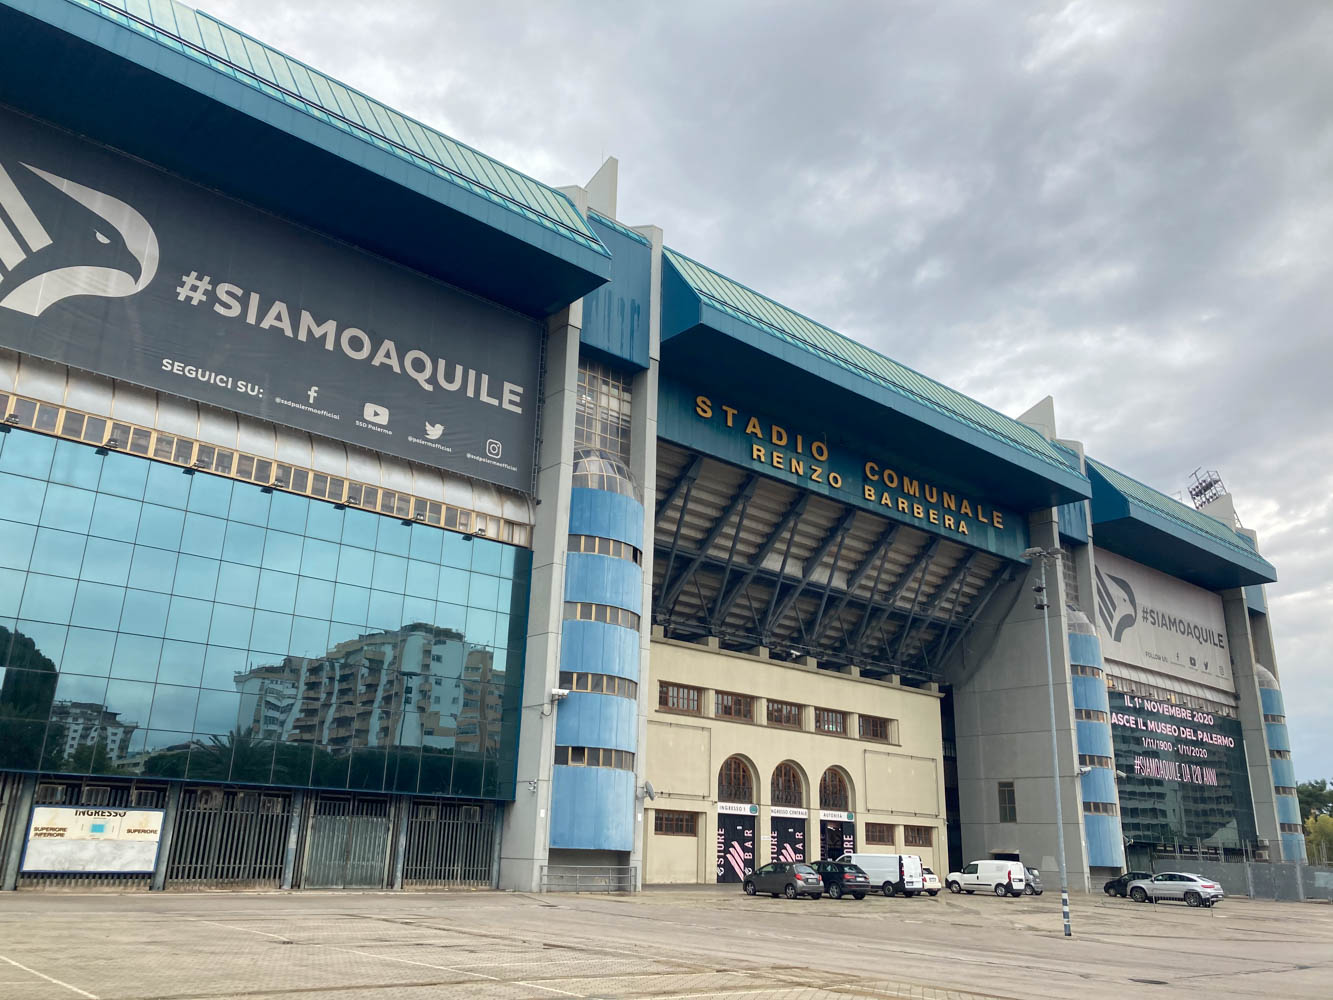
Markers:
<point>793,512</point>
<point>955,578</point>
<point>819,624</point>
<point>894,592</point>
<point>738,502</point>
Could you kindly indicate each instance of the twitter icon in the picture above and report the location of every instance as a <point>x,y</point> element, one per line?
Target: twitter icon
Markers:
<point>433,431</point>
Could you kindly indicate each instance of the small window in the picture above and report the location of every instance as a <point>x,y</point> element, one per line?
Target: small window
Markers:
<point>1083,670</point>
<point>1291,828</point>
<point>784,713</point>
<point>1280,754</point>
<point>679,698</point>
<point>1008,803</point>
<point>872,727</point>
<point>1100,808</point>
<point>1093,760</point>
<point>879,833</point>
<point>1274,718</point>
<point>918,836</point>
<point>829,720</point>
<point>727,705</point>
<point>675,824</point>
<point>1090,715</point>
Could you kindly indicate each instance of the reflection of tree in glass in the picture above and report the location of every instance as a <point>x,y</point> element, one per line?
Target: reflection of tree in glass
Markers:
<point>26,695</point>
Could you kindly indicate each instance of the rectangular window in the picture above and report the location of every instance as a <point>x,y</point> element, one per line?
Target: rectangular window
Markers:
<point>1100,808</point>
<point>882,730</point>
<point>1090,715</point>
<point>679,698</point>
<point>784,713</point>
<point>1093,760</point>
<point>830,720</point>
<point>1083,670</point>
<point>728,705</point>
<point>1008,803</point>
<point>1274,718</point>
<point>918,836</point>
<point>675,824</point>
<point>879,833</point>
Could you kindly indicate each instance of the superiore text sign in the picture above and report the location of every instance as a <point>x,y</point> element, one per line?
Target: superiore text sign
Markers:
<point>115,267</point>
<point>1151,620</point>
<point>89,839</point>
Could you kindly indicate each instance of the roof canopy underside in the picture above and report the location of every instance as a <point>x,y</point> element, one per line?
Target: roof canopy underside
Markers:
<point>1149,527</point>
<point>184,91</point>
<point>713,323</point>
<point>755,562</point>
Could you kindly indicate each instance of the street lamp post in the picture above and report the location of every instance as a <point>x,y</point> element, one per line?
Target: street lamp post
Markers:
<point>1044,606</point>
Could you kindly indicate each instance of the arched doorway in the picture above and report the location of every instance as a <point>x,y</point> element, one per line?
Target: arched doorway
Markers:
<point>736,815</point>
<point>837,821</point>
<point>787,814</point>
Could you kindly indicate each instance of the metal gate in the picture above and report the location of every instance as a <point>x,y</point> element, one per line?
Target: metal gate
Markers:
<point>449,845</point>
<point>347,846</point>
<point>229,837</point>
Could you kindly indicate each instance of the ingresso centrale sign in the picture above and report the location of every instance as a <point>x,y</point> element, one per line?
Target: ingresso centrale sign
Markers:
<point>113,266</point>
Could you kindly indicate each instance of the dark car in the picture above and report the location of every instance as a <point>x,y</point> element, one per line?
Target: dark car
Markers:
<point>1120,886</point>
<point>842,879</point>
<point>791,879</point>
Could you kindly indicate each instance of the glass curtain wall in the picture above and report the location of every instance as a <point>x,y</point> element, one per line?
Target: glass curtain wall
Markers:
<point>159,622</point>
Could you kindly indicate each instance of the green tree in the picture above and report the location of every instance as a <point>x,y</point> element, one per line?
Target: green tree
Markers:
<point>1316,798</point>
<point>1319,839</point>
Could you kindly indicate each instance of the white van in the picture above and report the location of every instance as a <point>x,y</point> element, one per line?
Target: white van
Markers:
<point>893,873</point>
<point>1004,878</point>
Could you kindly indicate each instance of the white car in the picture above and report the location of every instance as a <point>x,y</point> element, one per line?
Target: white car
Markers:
<point>1004,878</point>
<point>1194,889</point>
<point>930,881</point>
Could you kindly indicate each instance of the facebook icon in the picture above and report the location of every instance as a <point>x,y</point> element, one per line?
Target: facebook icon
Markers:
<point>311,393</point>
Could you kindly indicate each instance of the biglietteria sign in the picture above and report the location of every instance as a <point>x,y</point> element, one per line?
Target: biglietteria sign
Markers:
<point>1151,620</point>
<point>115,267</point>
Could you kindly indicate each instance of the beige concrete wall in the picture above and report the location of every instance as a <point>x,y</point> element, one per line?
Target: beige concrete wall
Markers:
<point>901,785</point>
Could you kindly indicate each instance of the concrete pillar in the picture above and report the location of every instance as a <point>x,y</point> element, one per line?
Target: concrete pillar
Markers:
<point>525,843</point>
<point>1241,646</point>
<point>402,806</point>
<point>294,825</point>
<point>172,808</point>
<point>20,811</point>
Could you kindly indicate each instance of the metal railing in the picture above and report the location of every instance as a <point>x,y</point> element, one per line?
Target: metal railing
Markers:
<point>589,878</point>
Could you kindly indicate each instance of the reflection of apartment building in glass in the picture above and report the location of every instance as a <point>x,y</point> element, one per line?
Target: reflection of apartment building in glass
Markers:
<point>87,724</point>
<point>416,686</point>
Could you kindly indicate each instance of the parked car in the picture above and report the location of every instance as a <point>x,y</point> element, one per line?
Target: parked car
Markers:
<point>1119,886</point>
<point>1194,889</point>
<point>1032,884</point>
<point>842,879</point>
<point>1004,878</point>
<point>930,881</point>
<point>784,878</point>
<point>892,873</point>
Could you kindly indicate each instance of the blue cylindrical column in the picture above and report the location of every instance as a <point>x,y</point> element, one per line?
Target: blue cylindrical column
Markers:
<point>1284,772</point>
<point>1102,830</point>
<point>592,805</point>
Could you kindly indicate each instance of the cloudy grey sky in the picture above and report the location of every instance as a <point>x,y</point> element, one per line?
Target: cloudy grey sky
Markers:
<point>1128,206</point>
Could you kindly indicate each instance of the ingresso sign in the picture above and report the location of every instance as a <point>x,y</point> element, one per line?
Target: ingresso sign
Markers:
<point>88,839</point>
<point>112,266</point>
<point>1151,620</point>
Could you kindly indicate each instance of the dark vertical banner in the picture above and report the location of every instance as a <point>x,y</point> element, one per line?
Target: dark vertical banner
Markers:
<point>115,267</point>
<point>786,839</point>
<point>735,846</point>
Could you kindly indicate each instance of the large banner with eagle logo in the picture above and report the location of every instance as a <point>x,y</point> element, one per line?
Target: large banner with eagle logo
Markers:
<point>113,266</point>
<point>1151,620</point>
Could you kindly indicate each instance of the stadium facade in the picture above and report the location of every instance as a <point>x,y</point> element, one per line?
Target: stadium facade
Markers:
<point>376,515</point>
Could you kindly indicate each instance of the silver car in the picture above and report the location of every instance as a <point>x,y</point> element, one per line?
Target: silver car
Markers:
<point>1194,890</point>
<point>786,878</point>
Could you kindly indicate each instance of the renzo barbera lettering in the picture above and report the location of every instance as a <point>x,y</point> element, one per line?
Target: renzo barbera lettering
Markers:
<point>775,447</point>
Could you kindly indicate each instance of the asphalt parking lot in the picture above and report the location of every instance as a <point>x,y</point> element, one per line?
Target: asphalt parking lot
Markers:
<point>685,943</point>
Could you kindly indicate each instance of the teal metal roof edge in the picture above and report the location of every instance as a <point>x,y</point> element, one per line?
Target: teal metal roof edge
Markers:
<point>294,85</point>
<point>1153,507</point>
<point>1037,454</point>
<point>621,228</point>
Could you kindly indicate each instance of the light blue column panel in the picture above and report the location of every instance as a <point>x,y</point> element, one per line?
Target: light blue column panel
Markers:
<point>1284,772</point>
<point>1090,692</point>
<point>599,648</point>
<point>592,808</point>
<point>1085,649</point>
<point>1271,699</point>
<point>604,580</point>
<point>1276,734</point>
<point>1105,848</point>
<point>607,514</point>
<point>1099,785</point>
<point>1094,738</point>
<point>1288,809</point>
<point>1293,847</point>
<point>596,720</point>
